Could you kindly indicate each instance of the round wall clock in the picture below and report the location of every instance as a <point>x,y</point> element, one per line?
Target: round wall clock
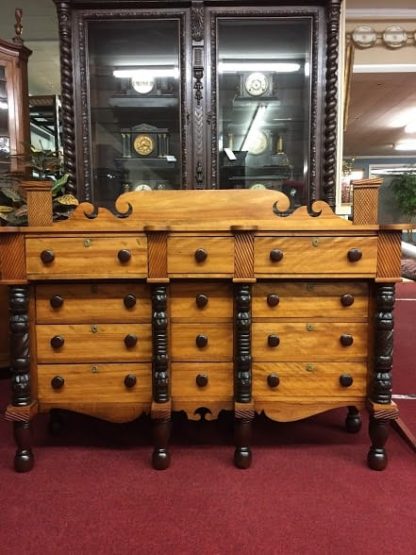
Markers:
<point>395,36</point>
<point>143,85</point>
<point>258,186</point>
<point>144,145</point>
<point>258,143</point>
<point>364,36</point>
<point>256,84</point>
<point>142,187</point>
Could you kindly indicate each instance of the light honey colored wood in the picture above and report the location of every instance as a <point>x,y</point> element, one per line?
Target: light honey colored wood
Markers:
<point>181,255</point>
<point>95,302</point>
<point>83,344</point>
<point>310,299</point>
<point>193,408</point>
<point>112,412</point>
<point>291,409</point>
<point>329,256</point>
<point>39,202</point>
<point>87,256</point>
<point>183,305</point>
<point>219,347</point>
<point>297,343</point>
<point>220,381</point>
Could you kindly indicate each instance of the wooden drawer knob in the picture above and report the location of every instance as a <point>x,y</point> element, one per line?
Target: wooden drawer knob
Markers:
<point>130,340</point>
<point>201,300</point>
<point>130,381</point>
<point>354,255</point>
<point>346,380</point>
<point>347,299</point>
<point>346,340</point>
<point>201,341</point>
<point>57,382</point>
<point>273,380</point>
<point>56,301</point>
<point>200,255</point>
<point>47,256</point>
<point>57,341</point>
<point>276,255</point>
<point>124,255</point>
<point>201,380</point>
<point>273,340</point>
<point>273,299</point>
<point>129,300</point>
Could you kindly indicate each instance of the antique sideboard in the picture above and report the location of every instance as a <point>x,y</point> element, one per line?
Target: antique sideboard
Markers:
<point>201,301</point>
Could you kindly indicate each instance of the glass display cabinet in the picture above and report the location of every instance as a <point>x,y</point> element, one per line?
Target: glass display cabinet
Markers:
<point>193,94</point>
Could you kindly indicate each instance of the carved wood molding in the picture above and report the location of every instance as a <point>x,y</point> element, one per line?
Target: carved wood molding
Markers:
<point>242,349</point>
<point>160,361</point>
<point>383,360</point>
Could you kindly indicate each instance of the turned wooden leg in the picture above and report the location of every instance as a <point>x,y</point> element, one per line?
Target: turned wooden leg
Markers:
<point>379,432</point>
<point>353,420</point>
<point>23,460</point>
<point>242,438</point>
<point>161,435</point>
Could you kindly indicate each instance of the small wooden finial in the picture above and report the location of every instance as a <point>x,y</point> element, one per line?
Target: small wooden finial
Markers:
<point>18,27</point>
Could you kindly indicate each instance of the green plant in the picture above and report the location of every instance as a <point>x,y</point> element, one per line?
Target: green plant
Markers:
<point>404,188</point>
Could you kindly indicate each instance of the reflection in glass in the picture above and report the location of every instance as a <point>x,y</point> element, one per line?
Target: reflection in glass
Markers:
<point>264,103</point>
<point>135,106</point>
<point>4,123</point>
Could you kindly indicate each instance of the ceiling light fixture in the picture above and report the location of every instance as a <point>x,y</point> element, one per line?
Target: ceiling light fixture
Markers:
<point>145,72</point>
<point>277,67</point>
<point>410,127</point>
<point>405,144</point>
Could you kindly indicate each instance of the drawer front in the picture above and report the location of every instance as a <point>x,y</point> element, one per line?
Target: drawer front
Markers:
<point>315,255</point>
<point>111,257</point>
<point>78,383</point>
<point>94,343</point>
<point>202,381</point>
<point>308,341</point>
<point>274,380</point>
<point>201,301</point>
<point>200,255</point>
<point>194,342</point>
<point>305,299</point>
<point>121,302</point>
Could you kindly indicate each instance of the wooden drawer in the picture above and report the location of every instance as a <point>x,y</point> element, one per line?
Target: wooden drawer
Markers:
<point>201,255</point>
<point>202,381</point>
<point>218,347</point>
<point>83,383</point>
<point>201,301</point>
<point>84,257</point>
<point>94,343</point>
<point>290,341</point>
<point>315,255</point>
<point>317,379</point>
<point>78,303</point>
<point>310,299</point>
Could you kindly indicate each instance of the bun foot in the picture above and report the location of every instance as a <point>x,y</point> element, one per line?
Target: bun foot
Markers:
<point>24,461</point>
<point>242,457</point>
<point>160,459</point>
<point>353,421</point>
<point>377,459</point>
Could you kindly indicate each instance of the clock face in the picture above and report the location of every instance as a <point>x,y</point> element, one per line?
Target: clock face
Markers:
<point>144,145</point>
<point>258,143</point>
<point>142,187</point>
<point>256,84</point>
<point>258,186</point>
<point>143,85</point>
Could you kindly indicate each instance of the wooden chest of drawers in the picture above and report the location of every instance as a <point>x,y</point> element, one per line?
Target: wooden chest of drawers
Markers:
<point>205,309</point>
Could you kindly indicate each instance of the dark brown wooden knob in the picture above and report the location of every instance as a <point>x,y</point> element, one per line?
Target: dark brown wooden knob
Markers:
<point>57,382</point>
<point>201,300</point>
<point>124,255</point>
<point>346,340</point>
<point>57,341</point>
<point>276,255</point>
<point>200,255</point>
<point>56,301</point>
<point>130,340</point>
<point>346,380</point>
<point>129,300</point>
<point>273,380</point>
<point>273,299</point>
<point>130,381</point>
<point>201,380</point>
<point>201,341</point>
<point>47,256</point>
<point>347,299</point>
<point>273,340</point>
<point>354,255</point>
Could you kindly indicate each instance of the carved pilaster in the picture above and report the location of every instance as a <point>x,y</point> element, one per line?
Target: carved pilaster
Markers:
<point>384,325</point>
<point>198,73</point>
<point>160,359</point>
<point>68,135</point>
<point>331,99</point>
<point>242,344</point>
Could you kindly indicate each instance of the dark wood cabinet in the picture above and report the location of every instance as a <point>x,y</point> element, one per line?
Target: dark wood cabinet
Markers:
<point>199,94</point>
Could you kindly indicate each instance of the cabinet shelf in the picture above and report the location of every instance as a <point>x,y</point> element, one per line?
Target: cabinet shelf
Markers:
<point>143,163</point>
<point>144,102</point>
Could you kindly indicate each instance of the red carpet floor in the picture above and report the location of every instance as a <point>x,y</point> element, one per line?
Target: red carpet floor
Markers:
<point>309,490</point>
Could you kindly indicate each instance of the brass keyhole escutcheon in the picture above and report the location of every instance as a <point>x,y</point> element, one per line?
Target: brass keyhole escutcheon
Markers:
<point>310,327</point>
<point>94,328</point>
<point>310,368</point>
<point>87,243</point>
<point>315,242</point>
<point>94,369</point>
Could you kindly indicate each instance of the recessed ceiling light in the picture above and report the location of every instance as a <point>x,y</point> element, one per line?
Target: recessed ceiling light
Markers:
<point>410,127</point>
<point>406,144</point>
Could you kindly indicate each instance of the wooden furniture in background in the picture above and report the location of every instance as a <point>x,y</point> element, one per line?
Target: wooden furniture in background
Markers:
<point>202,300</point>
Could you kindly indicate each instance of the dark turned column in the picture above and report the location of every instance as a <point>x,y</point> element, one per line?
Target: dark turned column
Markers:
<point>161,413</point>
<point>353,420</point>
<point>244,413</point>
<point>381,386</point>
<point>21,391</point>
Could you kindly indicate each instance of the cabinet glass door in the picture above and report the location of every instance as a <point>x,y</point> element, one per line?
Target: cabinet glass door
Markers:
<point>4,123</point>
<point>134,95</point>
<point>264,104</point>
